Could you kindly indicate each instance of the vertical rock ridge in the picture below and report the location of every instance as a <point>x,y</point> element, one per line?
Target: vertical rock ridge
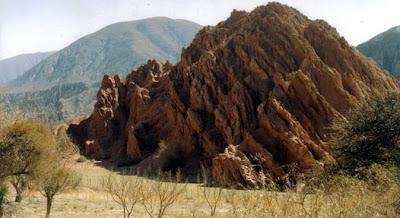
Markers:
<point>249,97</point>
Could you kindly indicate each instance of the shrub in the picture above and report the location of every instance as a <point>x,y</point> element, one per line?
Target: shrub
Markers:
<point>158,196</point>
<point>125,191</point>
<point>213,198</point>
<point>368,134</point>
<point>192,201</point>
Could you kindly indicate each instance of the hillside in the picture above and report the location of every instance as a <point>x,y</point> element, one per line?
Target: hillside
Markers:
<point>385,50</point>
<point>118,48</point>
<point>13,67</point>
<point>249,97</point>
<point>90,57</point>
<point>55,104</point>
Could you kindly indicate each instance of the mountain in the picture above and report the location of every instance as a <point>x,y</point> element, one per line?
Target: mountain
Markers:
<point>249,98</point>
<point>117,48</point>
<point>385,50</point>
<point>54,104</point>
<point>13,67</point>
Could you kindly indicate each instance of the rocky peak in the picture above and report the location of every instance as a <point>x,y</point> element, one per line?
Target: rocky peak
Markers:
<point>249,97</point>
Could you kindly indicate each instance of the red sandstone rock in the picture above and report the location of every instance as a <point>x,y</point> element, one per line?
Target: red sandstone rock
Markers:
<point>249,96</point>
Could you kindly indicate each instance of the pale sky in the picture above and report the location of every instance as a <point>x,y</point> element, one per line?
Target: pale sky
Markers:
<point>28,26</point>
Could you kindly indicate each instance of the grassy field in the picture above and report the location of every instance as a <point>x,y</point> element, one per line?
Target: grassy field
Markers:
<point>346,199</point>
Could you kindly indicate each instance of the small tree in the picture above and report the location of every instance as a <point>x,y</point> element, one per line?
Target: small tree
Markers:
<point>20,184</point>
<point>125,191</point>
<point>368,134</point>
<point>158,196</point>
<point>58,179</point>
<point>25,148</point>
<point>212,197</point>
<point>193,203</point>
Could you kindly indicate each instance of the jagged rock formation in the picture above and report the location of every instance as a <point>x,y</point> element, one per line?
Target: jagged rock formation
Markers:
<point>249,96</point>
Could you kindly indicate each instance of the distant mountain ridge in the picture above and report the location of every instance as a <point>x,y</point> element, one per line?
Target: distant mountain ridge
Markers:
<point>96,54</point>
<point>385,50</point>
<point>117,48</point>
<point>11,68</point>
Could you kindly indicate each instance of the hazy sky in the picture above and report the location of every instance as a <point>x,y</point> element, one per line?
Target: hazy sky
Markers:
<point>43,25</point>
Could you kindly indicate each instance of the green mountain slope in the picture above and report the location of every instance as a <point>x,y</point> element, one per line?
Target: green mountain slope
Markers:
<point>13,67</point>
<point>385,50</point>
<point>117,48</point>
<point>54,104</point>
<point>65,84</point>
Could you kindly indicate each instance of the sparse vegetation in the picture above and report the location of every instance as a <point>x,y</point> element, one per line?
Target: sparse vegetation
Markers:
<point>333,196</point>
<point>158,195</point>
<point>212,195</point>
<point>232,198</point>
<point>213,198</point>
<point>192,200</point>
<point>125,191</point>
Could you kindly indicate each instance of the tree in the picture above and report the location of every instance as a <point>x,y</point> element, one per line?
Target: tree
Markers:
<point>158,196</point>
<point>58,179</point>
<point>25,148</point>
<point>193,203</point>
<point>212,197</point>
<point>125,191</point>
<point>20,184</point>
<point>368,134</point>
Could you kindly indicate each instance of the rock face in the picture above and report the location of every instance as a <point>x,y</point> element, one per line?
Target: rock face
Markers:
<point>249,97</point>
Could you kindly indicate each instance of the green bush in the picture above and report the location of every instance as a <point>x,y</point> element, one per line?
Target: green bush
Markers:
<point>368,134</point>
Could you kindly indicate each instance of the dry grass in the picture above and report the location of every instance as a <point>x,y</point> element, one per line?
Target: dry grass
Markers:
<point>341,197</point>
